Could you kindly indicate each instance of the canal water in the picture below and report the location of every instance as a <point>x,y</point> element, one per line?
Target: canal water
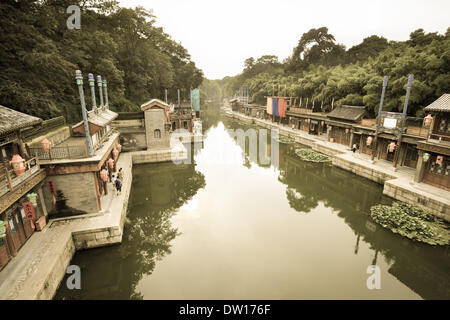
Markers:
<point>228,227</point>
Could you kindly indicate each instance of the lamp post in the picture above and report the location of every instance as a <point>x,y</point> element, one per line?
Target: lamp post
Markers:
<point>79,78</point>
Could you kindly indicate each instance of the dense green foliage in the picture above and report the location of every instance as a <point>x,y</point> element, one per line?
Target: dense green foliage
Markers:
<point>39,56</point>
<point>411,222</point>
<point>321,69</point>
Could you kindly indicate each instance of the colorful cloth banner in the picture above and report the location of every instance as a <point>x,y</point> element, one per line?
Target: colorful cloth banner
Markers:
<point>269,105</point>
<point>275,106</point>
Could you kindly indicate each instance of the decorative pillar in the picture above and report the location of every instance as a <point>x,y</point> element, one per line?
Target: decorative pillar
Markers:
<point>418,175</point>
<point>100,93</point>
<point>92,86</point>
<point>352,136</point>
<point>105,89</point>
<point>79,79</point>
<point>383,91</point>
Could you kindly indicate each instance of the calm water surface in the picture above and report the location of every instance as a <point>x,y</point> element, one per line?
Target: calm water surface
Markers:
<point>226,227</point>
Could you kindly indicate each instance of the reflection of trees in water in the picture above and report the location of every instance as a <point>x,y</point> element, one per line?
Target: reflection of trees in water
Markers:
<point>422,268</point>
<point>114,272</point>
<point>150,230</point>
<point>300,202</point>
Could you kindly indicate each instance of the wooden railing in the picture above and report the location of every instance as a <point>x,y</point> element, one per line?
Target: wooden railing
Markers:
<point>9,179</point>
<point>61,152</point>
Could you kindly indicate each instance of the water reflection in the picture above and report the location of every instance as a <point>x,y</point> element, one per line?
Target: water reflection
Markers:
<point>241,230</point>
<point>157,192</point>
<point>423,268</point>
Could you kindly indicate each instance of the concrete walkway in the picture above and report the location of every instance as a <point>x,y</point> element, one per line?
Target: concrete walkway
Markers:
<point>398,182</point>
<point>40,265</point>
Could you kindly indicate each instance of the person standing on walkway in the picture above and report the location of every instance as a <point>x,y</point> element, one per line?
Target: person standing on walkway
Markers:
<point>120,175</point>
<point>354,147</point>
<point>118,184</point>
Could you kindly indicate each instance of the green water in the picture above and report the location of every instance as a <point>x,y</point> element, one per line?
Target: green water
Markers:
<point>235,229</point>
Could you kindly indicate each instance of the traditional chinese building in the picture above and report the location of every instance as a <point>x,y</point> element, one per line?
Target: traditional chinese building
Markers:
<point>157,124</point>
<point>22,205</point>
<point>341,121</point>
<point>434,154</point>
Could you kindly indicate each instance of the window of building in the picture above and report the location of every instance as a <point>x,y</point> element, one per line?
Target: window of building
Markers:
<point>157,134</point>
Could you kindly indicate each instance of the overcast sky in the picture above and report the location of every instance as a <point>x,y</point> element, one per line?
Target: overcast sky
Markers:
<point>220,35</point>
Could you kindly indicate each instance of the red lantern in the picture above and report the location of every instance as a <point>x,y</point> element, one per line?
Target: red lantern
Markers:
<point>439,160</point>
<point>115,153</point>
<point>119,147</point>
<point>369,141</point>
<point>46,145</point>
<point>428,120</point>
<point>104,175</point>
<point>18,164</point>
<point>110,163</point>
<point>391,147</point>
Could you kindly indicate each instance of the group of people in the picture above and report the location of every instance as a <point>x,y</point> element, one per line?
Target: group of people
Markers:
<point>117,181</point>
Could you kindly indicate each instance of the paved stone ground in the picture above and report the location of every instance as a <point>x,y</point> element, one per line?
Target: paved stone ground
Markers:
<point>38,268</point>
<point>398,182</point>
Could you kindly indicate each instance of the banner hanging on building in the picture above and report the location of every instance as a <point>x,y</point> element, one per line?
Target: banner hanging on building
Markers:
<point>29,210</point>
<point>195,99</point>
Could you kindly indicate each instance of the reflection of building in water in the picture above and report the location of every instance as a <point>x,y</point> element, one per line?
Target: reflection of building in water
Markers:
<point>158,191</point>
<point>423,268</point>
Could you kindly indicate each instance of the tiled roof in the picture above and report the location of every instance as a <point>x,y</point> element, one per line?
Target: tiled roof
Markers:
<point>11,120</point>
<point>101,119</point>
<point>352,113</point>
<point>442,104</point>
<point>153,102</point>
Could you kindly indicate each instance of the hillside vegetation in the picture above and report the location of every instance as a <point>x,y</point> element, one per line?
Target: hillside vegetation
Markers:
<point>321,69</point>
<point>39,55</point>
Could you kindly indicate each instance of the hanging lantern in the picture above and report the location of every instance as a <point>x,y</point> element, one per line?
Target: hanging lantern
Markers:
<point>427,120</point>
<point>32,198</point>
<point>331,127</point>
<point>119,147</point>
<point>110,163</point>
<point>46,144</point>
<point>391,147</point>
<point>439,160</point>
<point>369,141</point>
<point>18,164</point>
<point>322,123</point>
<point>426,156</point>
<point>104,175</point>
<point>115,153</point>
<point>346,130</point>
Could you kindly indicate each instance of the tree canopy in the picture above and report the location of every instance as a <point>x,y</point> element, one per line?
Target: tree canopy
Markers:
<point>322,70</point>
<point>39,55</point>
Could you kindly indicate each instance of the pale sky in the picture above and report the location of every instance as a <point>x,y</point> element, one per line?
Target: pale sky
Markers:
<point>220,35</point>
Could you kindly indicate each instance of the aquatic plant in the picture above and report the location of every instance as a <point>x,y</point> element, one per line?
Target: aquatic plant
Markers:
<point>412,222</point>
<point>311,155</point>
<point>286,140</point>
